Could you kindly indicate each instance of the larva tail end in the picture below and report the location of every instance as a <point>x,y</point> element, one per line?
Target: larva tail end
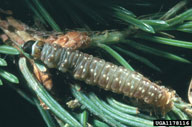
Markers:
<point>169,104</point>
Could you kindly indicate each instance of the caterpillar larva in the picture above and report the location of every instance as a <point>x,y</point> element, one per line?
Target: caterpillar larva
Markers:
<point>96,71</point>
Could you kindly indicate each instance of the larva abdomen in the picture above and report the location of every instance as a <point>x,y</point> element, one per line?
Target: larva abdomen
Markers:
<point>95,71</point>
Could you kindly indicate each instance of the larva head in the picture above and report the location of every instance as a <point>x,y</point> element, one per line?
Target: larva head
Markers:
<point>34,48</point>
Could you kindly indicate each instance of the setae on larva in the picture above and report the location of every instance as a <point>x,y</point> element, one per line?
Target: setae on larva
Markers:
<point>96,71</point>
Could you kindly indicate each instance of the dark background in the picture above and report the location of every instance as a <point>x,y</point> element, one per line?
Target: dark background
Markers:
<point>16,111</point>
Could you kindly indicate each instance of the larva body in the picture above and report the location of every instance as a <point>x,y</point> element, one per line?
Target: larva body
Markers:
<point>96,71</point>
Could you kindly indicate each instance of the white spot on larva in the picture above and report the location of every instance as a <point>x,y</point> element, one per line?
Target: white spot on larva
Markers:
<point>128,84</point>
<point>81,66</point>
<point>85,58</point>
<point>80,55</point>
<point>100,61</point>
<point>140,88</point>
<point>107,78</point>
<point>95,61</point>
<point>149,93</point>
<point>49,59</point>
<point>144,81</point>
<point>139,75</point>
<point>132,86</point>
<point>162,87</point>
<point>159,95</point>
<point>62,65</point>
<point>155,89</point>
<point>167,101</point>
<point>116,79</point>
<point>84,70</point>
<point>152,94</point>
<point>127,74</point>
<point>104,75</point>
<point>91,70</point>
<point>68,52</point>
<point>107,66</point>
<point>120,69</point>
<point>77,54</point>
<point>120,82</point>
<point>133,75</point>
<point>143,91</point>
<point>65,60</point>
<point>146,100</point>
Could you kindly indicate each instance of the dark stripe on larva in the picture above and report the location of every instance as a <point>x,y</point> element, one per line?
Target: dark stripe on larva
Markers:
<point>96,71</point>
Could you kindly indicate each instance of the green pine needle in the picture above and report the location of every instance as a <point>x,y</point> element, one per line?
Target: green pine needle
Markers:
<point>98,123</point>
<point>116,55</point>
<point>174,9</point>
<point>45,114</point>
<point>46,15</point>
<point>156,52</point>
<point>84,118</point>
<point>157,24</point>
<point>3,62</point>
<point>1,83</point>
<point>139,58</point>
<point>5,49</point>
<point>8,76</point>
<point>180,18</point>
<point>130,19</point>
<point>36,12</point>
<point>167,41</point>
